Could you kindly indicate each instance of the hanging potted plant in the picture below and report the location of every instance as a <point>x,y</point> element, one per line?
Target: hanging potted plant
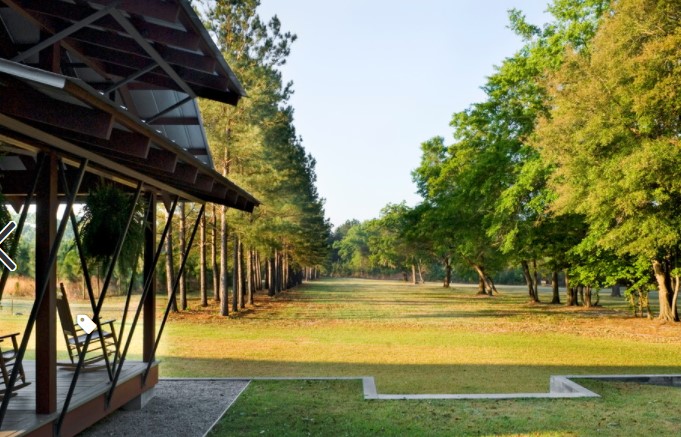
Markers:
<point>5,218</point>
<point>105,215</point>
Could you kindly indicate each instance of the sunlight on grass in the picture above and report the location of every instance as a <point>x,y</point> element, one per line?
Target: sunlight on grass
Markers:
<point>412,339</point>
<point>418,339</point>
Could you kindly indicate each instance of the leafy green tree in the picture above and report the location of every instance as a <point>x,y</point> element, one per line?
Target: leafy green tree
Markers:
<point>354,249</point>
<point>393,244</point>
<point>337,267</point>
<point>613,133</point>
<point>463,182</point>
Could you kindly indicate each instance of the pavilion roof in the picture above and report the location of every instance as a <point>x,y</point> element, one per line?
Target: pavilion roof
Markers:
<point>47,111</point>
<point>139,64</point>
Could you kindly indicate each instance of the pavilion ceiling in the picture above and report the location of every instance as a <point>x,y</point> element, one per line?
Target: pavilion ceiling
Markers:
<point>45,111</point>
<point>126,75</point>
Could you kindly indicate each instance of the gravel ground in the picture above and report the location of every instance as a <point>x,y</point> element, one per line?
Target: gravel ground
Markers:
<point>180,407</point>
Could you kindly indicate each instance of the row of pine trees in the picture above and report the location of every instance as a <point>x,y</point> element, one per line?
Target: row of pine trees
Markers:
<point>255,145</point>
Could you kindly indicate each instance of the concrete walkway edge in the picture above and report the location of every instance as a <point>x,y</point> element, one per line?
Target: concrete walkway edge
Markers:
<point>560,387</point>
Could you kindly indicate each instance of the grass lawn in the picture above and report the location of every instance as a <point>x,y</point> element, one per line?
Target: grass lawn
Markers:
<point>336,408</point>
<point>412,339</point>
<point>421,339</point>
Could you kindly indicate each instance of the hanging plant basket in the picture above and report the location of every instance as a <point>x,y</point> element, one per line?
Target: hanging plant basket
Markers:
<point>105,215</point>
<point>5,217</point>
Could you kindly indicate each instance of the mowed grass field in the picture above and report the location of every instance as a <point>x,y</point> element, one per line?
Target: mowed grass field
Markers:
<point>336,408</point>
<point>412,339</point>
<point>419,339</point>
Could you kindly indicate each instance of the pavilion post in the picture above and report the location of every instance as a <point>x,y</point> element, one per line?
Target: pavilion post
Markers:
<point>149,318</point>
<point>178,277</point>
<point>46,322</point>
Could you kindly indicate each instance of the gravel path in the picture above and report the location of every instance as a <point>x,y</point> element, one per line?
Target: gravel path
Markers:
<point>180,407</point>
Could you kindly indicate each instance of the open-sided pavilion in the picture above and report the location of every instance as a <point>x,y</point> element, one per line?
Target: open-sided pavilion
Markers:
<point>92,90</point>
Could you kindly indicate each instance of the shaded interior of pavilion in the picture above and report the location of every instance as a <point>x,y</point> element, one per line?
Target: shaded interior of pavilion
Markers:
<point>91,93</point>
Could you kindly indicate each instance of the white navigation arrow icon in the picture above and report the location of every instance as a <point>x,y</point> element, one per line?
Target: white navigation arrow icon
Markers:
<point>86,323</point>
<point>4,258</point>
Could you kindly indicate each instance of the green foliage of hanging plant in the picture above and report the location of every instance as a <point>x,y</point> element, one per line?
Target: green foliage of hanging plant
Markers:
<point>4,212</point>
<point>105,215</point>
<point>5,217</point>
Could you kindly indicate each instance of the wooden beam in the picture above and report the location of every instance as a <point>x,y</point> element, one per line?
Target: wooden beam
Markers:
<point>204,183</point>
<point>121,142</point>
<point>51,27</point>
<point>162,159</point>
<point>31,138</point>
<point>149,306</point>
<point>116,147</point>
<point>125,44</point>
<point>162,10</point>
<point>139,38</point>
<point>227,96</point>
<point>176,121</point>
<point>219,190</point>
<point>8,49</point>
<point>127,57</point>
<point>90,411</point>
<point>197,151</point>
<point>46,322</point>
<point>58,36</point>
<point>22,101</point>
<point>60,14</point>
<point>186,173</point>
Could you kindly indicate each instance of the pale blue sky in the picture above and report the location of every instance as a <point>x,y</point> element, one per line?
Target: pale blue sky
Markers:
<point>373,79</point>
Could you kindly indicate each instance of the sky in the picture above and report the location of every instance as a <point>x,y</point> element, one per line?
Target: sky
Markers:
<point>373,79</point>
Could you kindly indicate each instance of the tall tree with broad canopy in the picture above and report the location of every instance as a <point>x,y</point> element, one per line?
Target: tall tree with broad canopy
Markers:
<point>613,132</point>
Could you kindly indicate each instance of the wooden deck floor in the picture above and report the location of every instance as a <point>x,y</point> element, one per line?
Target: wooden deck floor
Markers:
<point>21,418</point>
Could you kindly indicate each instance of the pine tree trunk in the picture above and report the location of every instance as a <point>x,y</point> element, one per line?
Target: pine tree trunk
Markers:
<point>270,277</point>
<point>258,271</point>
<point>214,258</point>
<point>236,282</point>
<point>224,289</point>
<point>251,276</point>
<point>183,245</point>
<point>242,277</point>
<point>280,272</point>
<point>421,272</point>
<point>555,288</point>
<point>202,264</point>
<point>286,277</point>
<point>170,270</point>
<point>413,274</point>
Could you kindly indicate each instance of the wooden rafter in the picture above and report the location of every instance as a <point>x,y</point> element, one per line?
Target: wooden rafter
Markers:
<point>28,104</point>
